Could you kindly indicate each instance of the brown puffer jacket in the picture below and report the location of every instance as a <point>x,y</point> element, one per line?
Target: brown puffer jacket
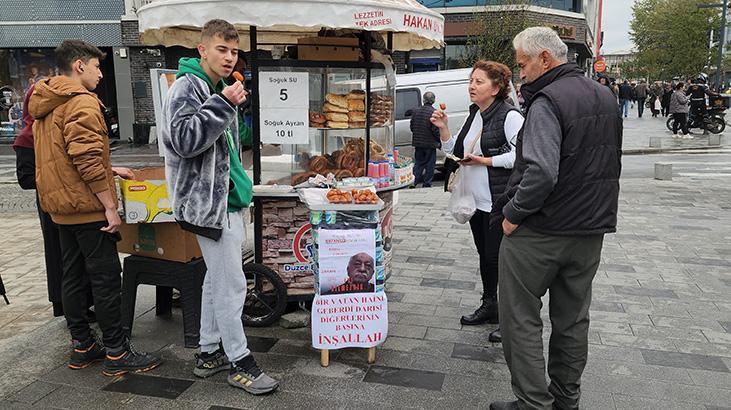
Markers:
<point>72,151</point>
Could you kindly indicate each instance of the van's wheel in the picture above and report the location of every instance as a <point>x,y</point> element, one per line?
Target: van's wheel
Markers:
<point>266,296</point>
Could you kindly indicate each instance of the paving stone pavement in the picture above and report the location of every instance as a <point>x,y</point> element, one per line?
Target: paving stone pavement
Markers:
<point>660,334</point>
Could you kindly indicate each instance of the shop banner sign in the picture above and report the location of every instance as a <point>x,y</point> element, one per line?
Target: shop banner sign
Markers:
<point>347,311</point>
<point>284,100</point>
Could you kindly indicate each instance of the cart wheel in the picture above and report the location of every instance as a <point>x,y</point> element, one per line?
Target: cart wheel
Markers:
<point>266,296</point>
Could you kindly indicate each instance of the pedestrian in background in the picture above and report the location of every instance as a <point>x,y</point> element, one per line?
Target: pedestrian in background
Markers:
<point>667,93</point>
<point>679,109</point>
<point>425,140</point>
<point>486,142</point>
<point>75,185</point>
<point>625,97</point>
<point>554,222</point>
<point>641,97</point>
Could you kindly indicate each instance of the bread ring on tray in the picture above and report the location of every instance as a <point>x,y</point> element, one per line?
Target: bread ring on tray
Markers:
<point>359,172</point>
<point>348,161</point>
<point>302,177</point>
<point>317,117</point>
<point>318,164</point>
<point>343,173</point>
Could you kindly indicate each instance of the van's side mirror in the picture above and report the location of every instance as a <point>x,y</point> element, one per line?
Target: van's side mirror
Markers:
<point>408,113</point>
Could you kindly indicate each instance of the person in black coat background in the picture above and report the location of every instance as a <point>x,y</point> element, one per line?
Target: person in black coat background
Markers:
<point>425,139</point>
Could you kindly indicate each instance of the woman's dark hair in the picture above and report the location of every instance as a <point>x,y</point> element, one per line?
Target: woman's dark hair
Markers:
<point>679,86</point>
<point>497,73</point>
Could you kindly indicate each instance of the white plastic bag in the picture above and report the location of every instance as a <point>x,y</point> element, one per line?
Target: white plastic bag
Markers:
<point>461,204</point>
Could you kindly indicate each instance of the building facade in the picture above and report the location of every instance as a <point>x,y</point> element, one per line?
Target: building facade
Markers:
<point>576,21</point>
<point>29,32</point>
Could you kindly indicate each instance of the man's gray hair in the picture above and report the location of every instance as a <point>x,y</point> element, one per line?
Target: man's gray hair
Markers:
<point>534,40</point>
<point>429,98</point>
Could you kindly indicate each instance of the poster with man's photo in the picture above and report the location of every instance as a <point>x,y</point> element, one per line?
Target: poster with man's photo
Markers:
<point>347,261</point>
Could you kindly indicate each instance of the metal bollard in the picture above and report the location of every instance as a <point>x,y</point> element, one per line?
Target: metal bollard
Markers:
<point>663,171</point>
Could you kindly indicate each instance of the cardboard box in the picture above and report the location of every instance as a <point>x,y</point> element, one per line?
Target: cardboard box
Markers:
<point>145,199</point>
<point>167,241</point>
<point>328,49</point>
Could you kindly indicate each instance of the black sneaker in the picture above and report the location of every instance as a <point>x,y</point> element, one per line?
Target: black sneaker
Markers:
<point>208,364</point>
<point>86,353</point>
<point>245,374</point>
<point>127,359</point>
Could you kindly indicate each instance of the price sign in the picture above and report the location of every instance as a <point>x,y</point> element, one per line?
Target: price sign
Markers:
<point>284,107</point>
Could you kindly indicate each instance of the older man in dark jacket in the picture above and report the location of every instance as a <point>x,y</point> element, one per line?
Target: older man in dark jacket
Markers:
<point>425,139</point>
<point>560,201</point>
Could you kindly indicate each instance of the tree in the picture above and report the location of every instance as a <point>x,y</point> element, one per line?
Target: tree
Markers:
<point>672,37</point>
<point>491,33</point>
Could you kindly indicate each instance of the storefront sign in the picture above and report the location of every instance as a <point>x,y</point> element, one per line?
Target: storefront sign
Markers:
<point>348,312</point>
<point>564,31</point>
<point>284,103</point>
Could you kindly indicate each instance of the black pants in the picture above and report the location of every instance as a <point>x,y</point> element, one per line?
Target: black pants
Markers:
<point>52,254</point>
<point>90,258</point>
<point>665,110</point>
<point>680,121</point>
<point>640,107</point>
<point>425,160</point>
<point>487,241</point>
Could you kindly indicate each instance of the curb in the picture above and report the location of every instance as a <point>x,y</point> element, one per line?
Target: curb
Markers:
<point>645,151</point>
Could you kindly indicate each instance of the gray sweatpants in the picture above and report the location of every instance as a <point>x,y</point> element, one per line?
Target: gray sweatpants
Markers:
<point>530,264</point>
<point>224,290</point>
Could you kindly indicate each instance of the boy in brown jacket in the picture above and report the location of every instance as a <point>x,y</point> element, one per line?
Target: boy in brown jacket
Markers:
<point>75,184</point>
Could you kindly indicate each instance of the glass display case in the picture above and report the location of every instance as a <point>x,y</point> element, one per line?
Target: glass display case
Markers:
<point>341,118</point>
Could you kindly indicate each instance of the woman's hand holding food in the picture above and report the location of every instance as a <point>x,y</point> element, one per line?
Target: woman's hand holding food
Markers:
<point>472,159</point>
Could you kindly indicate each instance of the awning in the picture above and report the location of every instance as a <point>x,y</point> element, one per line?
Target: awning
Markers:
<point>178,22</point>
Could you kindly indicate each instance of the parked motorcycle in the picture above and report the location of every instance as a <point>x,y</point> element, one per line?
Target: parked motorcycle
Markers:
<point>714,120</point>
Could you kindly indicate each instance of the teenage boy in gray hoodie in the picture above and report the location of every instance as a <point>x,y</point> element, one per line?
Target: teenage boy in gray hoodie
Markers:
<point>210,192</point>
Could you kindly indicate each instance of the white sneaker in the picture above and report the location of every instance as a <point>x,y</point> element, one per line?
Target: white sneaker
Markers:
<point>688,137</point>
<point>676,136</point>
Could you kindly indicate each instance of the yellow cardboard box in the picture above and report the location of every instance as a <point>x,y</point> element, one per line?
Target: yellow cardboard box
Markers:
<point>145,198</point>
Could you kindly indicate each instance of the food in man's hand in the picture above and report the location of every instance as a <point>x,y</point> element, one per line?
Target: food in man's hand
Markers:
<point>442,106</point>
<point>237,75</point>
<point>365,196</point>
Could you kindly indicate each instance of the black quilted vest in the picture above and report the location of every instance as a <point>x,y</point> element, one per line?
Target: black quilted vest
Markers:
<point>584,199</point>
<point>492,142</point>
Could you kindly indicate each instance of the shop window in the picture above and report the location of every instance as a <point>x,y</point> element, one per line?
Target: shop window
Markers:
<point>406,100</point>
<point>19,69</point>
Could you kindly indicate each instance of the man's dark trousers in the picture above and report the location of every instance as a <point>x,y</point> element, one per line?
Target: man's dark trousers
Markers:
<point>640,106</point>
<point>532,263</point>
<point>425,160</point>
<point>90,259</point>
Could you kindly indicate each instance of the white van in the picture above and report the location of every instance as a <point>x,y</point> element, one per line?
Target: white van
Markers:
<point>449,87</point>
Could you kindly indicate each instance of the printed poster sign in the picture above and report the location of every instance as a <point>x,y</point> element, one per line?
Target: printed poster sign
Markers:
<point>346,261</point>
<point>284,103</point>
<point>348,312</point>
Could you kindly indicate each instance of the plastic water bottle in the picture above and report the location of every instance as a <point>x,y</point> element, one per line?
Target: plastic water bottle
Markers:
<point>391,168</point>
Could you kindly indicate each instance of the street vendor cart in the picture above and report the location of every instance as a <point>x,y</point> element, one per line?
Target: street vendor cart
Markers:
<point>322,103</point>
